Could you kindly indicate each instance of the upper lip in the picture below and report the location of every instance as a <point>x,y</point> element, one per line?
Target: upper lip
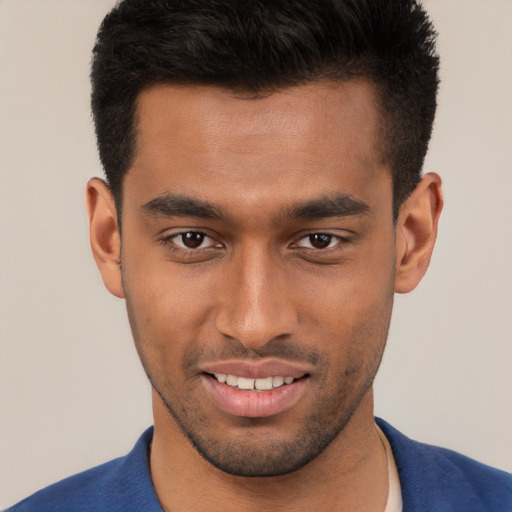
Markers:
<point>251,369</point>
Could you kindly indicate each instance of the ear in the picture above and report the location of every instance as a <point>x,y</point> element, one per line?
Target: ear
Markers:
<point>104,235</point>
<point>416,232</point>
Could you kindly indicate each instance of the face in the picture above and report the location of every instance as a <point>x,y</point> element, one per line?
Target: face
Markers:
<point>258,254</point>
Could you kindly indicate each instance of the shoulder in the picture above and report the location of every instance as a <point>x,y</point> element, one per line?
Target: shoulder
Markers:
<point>434,478</point>
<point>121,484</point>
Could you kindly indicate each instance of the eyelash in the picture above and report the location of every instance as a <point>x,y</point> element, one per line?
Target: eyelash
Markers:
<point>340,241</point>
<point>171,242</point>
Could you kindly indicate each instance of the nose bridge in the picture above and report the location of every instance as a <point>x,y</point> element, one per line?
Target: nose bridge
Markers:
<point>256,306</point>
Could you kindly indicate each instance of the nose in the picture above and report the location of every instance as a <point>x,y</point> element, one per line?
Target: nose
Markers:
<point>256,303</point>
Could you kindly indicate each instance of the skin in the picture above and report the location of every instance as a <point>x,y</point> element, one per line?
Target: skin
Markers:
<point>257,288</point>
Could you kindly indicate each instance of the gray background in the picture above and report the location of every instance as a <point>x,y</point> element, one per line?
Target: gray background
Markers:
<point>72,393</point>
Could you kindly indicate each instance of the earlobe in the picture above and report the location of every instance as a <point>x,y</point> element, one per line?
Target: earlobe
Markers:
<point>104,235</point>
<point>416,232</point>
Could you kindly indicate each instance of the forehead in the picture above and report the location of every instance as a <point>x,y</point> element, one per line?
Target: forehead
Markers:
<point>206,141</point>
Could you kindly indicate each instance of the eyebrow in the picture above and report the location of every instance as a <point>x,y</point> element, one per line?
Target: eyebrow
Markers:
<point>337,205</point>
<point>177,205</point>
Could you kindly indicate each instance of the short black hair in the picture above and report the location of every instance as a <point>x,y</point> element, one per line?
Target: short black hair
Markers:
<point>258,46</point>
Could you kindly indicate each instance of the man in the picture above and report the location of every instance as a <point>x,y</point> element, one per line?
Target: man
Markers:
<point>263,203</point>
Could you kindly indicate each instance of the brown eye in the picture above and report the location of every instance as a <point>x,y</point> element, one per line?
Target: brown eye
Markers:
<point>320,240</point>
<point>191,246</point>
<point>192,239</point>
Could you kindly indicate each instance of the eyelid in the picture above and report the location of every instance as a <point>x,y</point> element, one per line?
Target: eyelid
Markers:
<point>170,239</point>
<point>341,240</point>
<point>333,238</point>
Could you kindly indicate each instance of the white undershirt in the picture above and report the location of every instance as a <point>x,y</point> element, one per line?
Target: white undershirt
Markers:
<point>394,502</point>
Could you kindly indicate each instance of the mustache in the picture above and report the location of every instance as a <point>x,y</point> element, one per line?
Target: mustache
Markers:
<point>275,349</point>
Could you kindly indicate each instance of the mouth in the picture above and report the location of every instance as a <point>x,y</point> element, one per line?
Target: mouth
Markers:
<point>255,397</point>
<point>261,384</point>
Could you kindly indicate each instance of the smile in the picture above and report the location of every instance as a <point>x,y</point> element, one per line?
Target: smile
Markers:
<point>264,384</point>
<point>254,397</point>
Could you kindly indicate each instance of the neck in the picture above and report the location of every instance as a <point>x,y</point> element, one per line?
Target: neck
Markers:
<point>350,474</point>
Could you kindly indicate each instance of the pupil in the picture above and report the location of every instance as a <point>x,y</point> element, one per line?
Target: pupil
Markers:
<point>320,240</point>
<point>192,239</point>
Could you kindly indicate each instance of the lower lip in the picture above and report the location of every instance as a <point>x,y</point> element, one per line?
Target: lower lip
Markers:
<point>254,404</point>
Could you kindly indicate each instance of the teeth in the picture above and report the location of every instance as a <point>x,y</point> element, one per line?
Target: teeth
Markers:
<point>231,380</point>
<point>277,381</point>
<point>265,384</point>
<point>244,383</point>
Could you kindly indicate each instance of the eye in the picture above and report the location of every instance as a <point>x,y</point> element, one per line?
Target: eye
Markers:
<point>192,240</point>
<point>318,241</point>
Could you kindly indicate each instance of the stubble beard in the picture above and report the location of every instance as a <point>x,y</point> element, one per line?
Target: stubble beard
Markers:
<point>248,454</point>
<point>251,452</point>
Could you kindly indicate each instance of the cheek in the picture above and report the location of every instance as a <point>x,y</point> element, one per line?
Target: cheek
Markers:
<point>349,315</point>
<point>348,295</point>
<point>165,297</point>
